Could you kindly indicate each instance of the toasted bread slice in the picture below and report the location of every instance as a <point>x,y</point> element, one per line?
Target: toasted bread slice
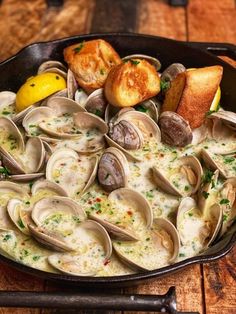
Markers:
<point>174,93</point>
<point>131,82</point>
<point>200,88</point>
<point>91,61</point>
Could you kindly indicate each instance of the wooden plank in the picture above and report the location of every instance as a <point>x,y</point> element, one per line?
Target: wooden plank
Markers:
<point>120,16</point>
<point>212,20</point>
<point>11,279</point>
<point>188,283</point>
<point>25,22</point>
<point>220,285</point>
<point>156,17</point>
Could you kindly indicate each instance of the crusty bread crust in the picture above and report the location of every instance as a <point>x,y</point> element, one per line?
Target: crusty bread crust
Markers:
<point>91,62</point>
<point>174,93</point>
<point>200,88</point>
<point>131,82</point>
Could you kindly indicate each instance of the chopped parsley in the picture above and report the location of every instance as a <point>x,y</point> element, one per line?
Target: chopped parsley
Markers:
<point>36,258</point>
<point>4,171</point>
<point>225,217</point>
<point>228,159</point>
<point>205,194</point>
<point>98,112</point>
<point>207,176</point>
<point>165,85</point>
<point>78,49</point>
<point>224,201</point>
<point>6,237</point>
<point>181,255</point>
<point>5,112</point>
<point>134,62</point>
<point>186,188</point>
<point>20,223</point>
<point>102,72</point>
<point>141,108</point>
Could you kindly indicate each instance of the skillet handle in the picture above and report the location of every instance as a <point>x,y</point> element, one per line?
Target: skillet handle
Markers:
<point>218,49</point>
<point>64,300</point>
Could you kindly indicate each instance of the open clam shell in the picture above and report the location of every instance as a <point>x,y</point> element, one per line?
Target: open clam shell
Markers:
<point>195,228</point>
<point>90,262</point>
<point>19,215</point>
<point>154,61</point>
<point>96,103</point>
<point>151,107</point>
<point>81,97</point>
<point>84,168</point>
<point>185,181</point>
<point>46,65</point>
<point>228,203</point>
<point>41,185</point>
<point>227,117</point>
<point>162,250</point>
<point>224,163</point>
<point>53,217</point>
<point>129,203</point>
<point>113,170</point>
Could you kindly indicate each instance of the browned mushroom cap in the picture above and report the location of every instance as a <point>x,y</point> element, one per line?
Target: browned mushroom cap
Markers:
<point>127,135</point>
<point>175,130</point>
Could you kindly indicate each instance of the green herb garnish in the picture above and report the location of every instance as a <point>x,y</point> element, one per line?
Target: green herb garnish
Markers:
<point>165,85</point>
<point>205,194</point>
<point>224,201</point>
<point>81,45</point>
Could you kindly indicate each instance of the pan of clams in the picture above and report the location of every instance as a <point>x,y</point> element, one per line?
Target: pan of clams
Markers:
<point>114,166</point>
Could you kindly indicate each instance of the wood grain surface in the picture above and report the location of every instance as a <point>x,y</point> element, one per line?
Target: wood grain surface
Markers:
<point>208,289</point>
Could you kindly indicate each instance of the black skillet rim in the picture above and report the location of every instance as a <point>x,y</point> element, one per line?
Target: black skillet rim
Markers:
<point>126,280</point>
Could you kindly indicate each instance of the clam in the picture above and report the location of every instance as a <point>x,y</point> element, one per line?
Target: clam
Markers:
<point>81,97</point>
<point>130,129</point>
<point>85,262</point>
<point>199,134</point>
<point>113,170</point>
<point>131,210</point>
<point>162,249</point>
<point>154,61</point>
<point>226,164</point>
<point>18,157</point>
<point>195,228</point>
<point>63,162</point>
<point>184,181</point>
<point>8,191</point>
<point>60,93</point>
<point>175,130</point>
<point>71,84</point>
<point>151,107</point>
<point>54,220</point>
<point>227,117</point>
<point>53,66</point>
<point>24,250</point>
<point>171,73</point>
<point>7,104</point>
<point>96,103</point>
<point>46,185</point>
<point>228,203</point>
<point>19,214</point>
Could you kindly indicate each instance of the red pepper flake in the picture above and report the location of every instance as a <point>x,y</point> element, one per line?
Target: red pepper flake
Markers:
<point>106,262</point>
<point>98,199</point>
<point>161,155</point>
<point>90,202</point>
<point>129,212</point>
<point>98,212</point>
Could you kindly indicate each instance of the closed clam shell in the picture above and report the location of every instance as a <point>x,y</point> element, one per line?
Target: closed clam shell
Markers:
<point>113,170</point>
<point>154,61</point>
<point>70,264</point>
<point>46,65</point>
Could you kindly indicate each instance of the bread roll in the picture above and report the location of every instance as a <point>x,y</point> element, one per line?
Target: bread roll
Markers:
<point>131,82</point>
<point>91,62</point>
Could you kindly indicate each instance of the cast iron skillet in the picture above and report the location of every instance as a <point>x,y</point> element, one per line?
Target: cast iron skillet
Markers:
<point>14,71</point>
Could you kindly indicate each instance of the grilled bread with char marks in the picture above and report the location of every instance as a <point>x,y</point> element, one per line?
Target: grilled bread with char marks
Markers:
<point>131,82</point>
<point>91,62</point>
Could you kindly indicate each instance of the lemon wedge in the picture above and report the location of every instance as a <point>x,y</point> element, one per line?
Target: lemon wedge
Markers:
<point>37,88</point>
<point>216,100</point>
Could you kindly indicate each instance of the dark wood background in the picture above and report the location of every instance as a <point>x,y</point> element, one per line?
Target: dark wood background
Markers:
<point>209,288</point>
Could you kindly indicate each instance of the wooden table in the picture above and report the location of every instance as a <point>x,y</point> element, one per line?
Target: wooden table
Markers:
<point>209,288</point>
